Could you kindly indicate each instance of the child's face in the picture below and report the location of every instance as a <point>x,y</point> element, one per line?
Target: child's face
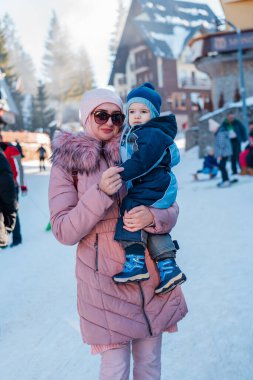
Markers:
<point>138,113</point>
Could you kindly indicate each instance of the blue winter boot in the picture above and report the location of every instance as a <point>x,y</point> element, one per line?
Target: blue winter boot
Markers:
<point>134,270</point>
<point>170,275</point>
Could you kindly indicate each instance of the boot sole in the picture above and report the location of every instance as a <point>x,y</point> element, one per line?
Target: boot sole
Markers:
<point>138,277</point>
<point>178,280</point>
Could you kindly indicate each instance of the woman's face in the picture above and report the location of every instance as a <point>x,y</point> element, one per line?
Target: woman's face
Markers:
<point>107,130</point>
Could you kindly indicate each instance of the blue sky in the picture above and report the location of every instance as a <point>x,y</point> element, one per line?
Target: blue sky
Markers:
<point>90,23</point>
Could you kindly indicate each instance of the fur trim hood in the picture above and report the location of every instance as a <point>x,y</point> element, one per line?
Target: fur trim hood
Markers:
<point>83,153</point>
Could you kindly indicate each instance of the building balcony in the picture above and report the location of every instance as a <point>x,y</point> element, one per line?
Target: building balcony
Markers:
<point>195,83</point>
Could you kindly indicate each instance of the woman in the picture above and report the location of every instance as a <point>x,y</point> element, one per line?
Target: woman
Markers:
<point>84,209</point>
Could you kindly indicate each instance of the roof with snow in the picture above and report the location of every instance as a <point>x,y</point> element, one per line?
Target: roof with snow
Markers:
<point>166,26</point>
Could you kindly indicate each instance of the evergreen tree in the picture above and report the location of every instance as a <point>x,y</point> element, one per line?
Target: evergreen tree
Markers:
<point>4,56</point>
<point>57,61</point>
<point>19,121</point>
<point>41,114</point>
<point>10,77</point>
<point>20,61</point>
<point>118,29</point>
<point>34,116</point>
<point>82,75</point>
<point>41,108</point>
<point>67,74</point>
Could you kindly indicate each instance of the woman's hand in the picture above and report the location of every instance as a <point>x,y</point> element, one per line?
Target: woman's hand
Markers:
<point>111,181</point>
<point>137,218</point>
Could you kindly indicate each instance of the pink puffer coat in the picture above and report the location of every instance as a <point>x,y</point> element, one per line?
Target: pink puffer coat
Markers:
<point>109,313</point>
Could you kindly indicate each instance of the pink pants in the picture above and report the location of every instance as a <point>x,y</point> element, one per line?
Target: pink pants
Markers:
<point>115,363</point>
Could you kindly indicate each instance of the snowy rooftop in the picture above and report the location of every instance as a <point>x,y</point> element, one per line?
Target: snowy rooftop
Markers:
<point>166,26</point>
<point>171,24</point>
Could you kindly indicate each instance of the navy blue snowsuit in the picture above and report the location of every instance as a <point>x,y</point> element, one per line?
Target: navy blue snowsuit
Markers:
<point>150,152</point>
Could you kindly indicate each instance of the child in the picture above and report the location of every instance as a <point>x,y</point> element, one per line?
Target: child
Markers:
<point>210,165</point>
<point>148,152</point>
<point>246,156</point>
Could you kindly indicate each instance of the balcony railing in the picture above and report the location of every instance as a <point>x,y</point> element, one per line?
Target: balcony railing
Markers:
<point>195,83</point>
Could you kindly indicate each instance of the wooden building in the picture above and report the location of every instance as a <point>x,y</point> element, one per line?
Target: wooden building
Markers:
<point>154,47</point>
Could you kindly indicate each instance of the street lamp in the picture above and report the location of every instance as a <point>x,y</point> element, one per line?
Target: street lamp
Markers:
<point>220,22</point>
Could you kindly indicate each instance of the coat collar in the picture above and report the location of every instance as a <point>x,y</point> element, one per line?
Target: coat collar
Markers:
<point>83,153</point>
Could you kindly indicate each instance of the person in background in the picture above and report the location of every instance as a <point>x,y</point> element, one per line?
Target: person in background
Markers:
<point>85,191</point>
<point>223,151</point>
<point>19,148</point>
<point>8,203</point>
<point>246,156</point>
<point>14,158</point>
<point>237,134</point>
<point>42,155</point>
<point>210,165</point>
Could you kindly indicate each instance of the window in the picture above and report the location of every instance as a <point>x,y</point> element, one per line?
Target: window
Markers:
<point>179,101</point>
<point>142,58</point>
<point>197,101</point>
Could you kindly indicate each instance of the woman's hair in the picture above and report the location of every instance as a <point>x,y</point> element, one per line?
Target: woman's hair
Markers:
<point>93,98</point>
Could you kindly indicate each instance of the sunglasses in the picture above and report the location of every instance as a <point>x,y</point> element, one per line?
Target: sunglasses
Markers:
<point>101,117</point>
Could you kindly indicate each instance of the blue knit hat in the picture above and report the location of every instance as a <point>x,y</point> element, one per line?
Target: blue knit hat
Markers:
<point>146,94</point>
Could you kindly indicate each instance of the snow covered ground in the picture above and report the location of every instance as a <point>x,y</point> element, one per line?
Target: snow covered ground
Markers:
<point>39,327</point>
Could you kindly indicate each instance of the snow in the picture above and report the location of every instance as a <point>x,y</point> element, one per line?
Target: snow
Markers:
<point>39,327</point>
<point>193,11</point>
<point>176,20</point>
<point>227,106</point>
<point>174,41</point>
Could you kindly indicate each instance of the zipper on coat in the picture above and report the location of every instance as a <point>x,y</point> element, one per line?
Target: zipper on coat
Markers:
<point>143,309</point>
<point>96,254</point>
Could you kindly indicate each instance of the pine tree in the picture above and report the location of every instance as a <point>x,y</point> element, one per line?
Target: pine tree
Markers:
<point>58,61</point>
<point>34,116</point>
<point>10,77</point>
<point>4,56</point>
<point>41,121</point>
<point>118,29</point>
<point>82,75</point>
<point>20,61</point>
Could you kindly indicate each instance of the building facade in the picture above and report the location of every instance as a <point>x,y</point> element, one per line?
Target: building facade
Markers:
<point>154,47</point>
<point>239,12</point>
<point>216,54</point>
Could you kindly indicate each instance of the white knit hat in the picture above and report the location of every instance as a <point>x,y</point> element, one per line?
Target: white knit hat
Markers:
<point>93,98</point>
